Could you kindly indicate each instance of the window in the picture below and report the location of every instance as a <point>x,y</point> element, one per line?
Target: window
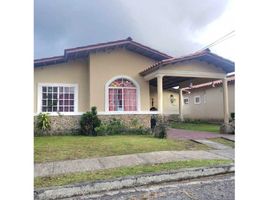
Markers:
<point>122,95</point>
<point>58,98</point>
<point>186,100</point>
<point>197,100</point>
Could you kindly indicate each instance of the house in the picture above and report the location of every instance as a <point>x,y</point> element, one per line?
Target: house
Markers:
<point>123,79</point>
<point>205,102</point>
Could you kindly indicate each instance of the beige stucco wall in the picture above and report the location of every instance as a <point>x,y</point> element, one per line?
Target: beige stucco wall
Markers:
<point>93,73</point>
<point>106,65</point>
<point>212,108</point>
<point>168,107</point>
<point>73,72</point>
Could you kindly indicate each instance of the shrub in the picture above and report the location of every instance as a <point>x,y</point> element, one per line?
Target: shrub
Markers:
<point>89,122</point>
<point>117,127</point>
<point>160,130</point>
<point>113,127</point>
<point>233,115</point>
<point>102,129</point>
<point>134,123</point>
<point>43,124</point>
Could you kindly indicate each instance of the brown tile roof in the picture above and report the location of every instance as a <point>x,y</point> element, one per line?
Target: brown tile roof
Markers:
<point>204,55</point>
<point>83,51</point>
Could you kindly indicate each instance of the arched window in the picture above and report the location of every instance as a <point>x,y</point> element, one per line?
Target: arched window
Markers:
<point>122,95</point>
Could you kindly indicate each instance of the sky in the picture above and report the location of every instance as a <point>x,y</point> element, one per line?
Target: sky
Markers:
<point>175,27</point>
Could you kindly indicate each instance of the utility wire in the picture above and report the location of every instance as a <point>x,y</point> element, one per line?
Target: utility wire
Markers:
<point>221,39</point>
<point>218,42</point>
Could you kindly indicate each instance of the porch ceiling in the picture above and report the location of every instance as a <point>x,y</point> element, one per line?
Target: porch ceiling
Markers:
<point>171,81</point>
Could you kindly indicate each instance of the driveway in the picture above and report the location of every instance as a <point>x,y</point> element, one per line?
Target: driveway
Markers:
<point>195,135</point>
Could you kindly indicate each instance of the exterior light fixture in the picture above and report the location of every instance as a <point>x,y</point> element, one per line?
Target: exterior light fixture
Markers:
<point>172,98</point>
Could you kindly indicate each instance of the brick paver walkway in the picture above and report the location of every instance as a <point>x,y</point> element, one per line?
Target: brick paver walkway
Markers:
<point>194,135</point>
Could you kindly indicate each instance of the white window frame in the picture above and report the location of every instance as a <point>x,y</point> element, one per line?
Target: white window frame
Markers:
<point>187,99</point>
<point>107,95</point>
<point>199,99</point>
<point>39,98</point>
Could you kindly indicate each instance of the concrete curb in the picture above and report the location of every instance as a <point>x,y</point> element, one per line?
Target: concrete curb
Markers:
<point>227,139</point>
<point>130,181</point>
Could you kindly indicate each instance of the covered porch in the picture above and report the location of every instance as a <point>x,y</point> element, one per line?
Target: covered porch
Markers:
<point>186,72</point>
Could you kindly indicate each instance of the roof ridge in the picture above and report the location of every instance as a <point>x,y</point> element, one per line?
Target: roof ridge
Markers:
<point>70,53</point>
<point>97,44</point>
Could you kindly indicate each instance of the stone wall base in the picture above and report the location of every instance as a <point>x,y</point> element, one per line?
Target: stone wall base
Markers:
<point>129,120</point>
<point>64,125</point>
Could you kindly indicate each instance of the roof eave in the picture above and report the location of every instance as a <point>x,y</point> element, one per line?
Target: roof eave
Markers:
<point>86,50</point>
<point>188,58</point>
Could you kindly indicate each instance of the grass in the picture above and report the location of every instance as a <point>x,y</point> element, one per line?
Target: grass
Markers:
<point>197,126</point>
<point>223,141</point>
<point>120,172</point>
<point>52,148</point>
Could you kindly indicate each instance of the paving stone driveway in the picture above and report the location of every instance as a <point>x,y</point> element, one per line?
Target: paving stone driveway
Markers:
<point>195,135</point>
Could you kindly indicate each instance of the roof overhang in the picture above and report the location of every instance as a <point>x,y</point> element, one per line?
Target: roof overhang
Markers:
<point>84,51</point>
<point>206,56</point>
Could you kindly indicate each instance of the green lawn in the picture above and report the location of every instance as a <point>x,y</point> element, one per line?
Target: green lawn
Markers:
<point>52,148</point>
<point>223,141</point>
<point>197,126</point>
<point>124,171</point>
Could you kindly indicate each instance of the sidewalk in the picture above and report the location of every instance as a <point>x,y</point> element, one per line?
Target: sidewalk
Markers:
<point>82,165</point>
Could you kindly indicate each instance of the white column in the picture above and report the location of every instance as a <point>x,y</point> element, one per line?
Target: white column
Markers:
<point>181,105</point>
<point>225,101</point>
<point>160,94</point>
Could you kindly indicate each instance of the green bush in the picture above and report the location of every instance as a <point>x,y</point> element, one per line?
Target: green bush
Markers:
<point>43,124</point>
<point>113,127</point>
<point>117,127</point>
<point>160,130</point>
<point>233,115</point>
<point>89,122</point>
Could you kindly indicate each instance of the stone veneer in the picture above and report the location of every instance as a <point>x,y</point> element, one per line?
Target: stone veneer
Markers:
<point>70,124</point>
<point>142,120</point>
<point>64,124</point>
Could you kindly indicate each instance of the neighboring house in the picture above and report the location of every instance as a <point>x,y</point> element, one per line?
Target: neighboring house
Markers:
<point>123,79</point>
<point>205,101</point>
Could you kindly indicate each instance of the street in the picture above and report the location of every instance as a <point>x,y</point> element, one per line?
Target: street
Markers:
<point>219,187</point>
